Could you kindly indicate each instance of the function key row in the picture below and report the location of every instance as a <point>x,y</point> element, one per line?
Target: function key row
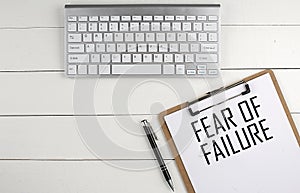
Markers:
<point>144,18</point>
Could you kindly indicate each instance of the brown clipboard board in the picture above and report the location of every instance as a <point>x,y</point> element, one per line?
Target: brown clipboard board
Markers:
<point>171,143</point>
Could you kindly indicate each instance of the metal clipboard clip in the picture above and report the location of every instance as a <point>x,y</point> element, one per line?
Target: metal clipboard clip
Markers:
<point>217,91</point>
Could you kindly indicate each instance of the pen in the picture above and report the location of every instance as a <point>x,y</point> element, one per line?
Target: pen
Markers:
<point>152,137</point>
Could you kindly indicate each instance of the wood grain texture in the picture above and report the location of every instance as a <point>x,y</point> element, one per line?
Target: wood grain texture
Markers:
<point>86,177</point>
<point>53,94</point>
<point>58,138</point>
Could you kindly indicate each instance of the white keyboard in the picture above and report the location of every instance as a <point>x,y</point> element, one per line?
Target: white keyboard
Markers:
<point>165,40</point>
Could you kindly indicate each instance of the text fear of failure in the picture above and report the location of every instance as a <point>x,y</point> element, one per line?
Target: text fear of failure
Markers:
<point>252,134</point>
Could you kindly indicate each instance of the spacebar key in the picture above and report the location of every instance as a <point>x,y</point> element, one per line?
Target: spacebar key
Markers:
<point>136,69</point>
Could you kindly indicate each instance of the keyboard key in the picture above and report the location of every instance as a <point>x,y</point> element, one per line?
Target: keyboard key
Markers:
<point>87,37</point>
<point>95,58</point>
<point>72,27</point>
<point>166,26</point>
<point>114,18</point>
<point>136,69</point>
<point>118,37</point>
<point>116,58</point>
<point>100,47</point>
<point>184,48</point>
<point>180,18</point>
<point>137,58</point>
<point>124,26</point>
<point>113,26</point>
<point>103,27</point>
<point>152,48</point>
<point>134,26</point>
<point>201,17</point>
<point>92,69</point>
<point>76,48</point>
<point>136,18</point>
<point>189,58</point>
<point>104,69</point>
<point>147,18</point>
<point>150,37</point>
<point>82,69</point>
<point>168,57</point>
<point>210,27</point>
<point>74,37</point>
<point>128,37</point>
<point>139,37</point>
<point>125,18</point>
<point>82,27</point>
<point>110,47</point>
<point>97,37</point>
<point>145,26</point>
<point>90,48</point>
<point>202,37</point>
<point>72,18</point>
<point>82,18</point>
<point>192,37</point>
<point>173,47</point>
<point>168,69</point>
<point>160,37</point>
<point>147,58</point>
<point>178,57</point>
<point>93,27</point>
<point>186,26</point>
<point>104,18</point>
<point>212,18</point>
<point>209,47</point>
<point>132,47</point>
<point>158,58</point>
<point>190,18</point>
<point>158,18</point>
<point>171,37</point>
<point>78,58</point>
<point>201,67</point>
<point>108,37</point>
<point>169,18</point>
<point>194,47</point>
<point>155,26</point>
<point>190,72</point>
<point>181,37</point>
<point>212,37</point>
<point>197,26</point>
<point>93,18</point>
<point>163,47</point>
<point>142,47</point>
<point>105,58</point>
<point>126,58</point>
<point>180,69</point>
<point>121,48</point>
<point>176,26</point>
<point>206,58</point>
<point>201,72</point>
<point>72,69</point>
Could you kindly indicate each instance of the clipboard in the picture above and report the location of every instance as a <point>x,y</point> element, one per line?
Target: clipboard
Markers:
<point>168,136</point>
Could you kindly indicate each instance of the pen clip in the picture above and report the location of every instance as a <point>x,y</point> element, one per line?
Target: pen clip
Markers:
<point>147,124</point>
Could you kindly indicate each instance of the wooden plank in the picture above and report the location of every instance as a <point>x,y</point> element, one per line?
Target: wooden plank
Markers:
<point>34,13</point>
<point>61,138</point>
<point>86,177</point>
<point>112,137</point>
<point>52,93</point>
<point>247,47</point>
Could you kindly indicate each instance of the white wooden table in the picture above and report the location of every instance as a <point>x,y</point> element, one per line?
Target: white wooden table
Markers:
<point>42,148</point>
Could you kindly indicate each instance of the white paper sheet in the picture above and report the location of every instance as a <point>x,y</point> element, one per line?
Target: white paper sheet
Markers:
<point>269,166</point>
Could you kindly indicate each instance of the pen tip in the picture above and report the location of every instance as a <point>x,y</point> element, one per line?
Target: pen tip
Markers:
<point>171,185</point>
